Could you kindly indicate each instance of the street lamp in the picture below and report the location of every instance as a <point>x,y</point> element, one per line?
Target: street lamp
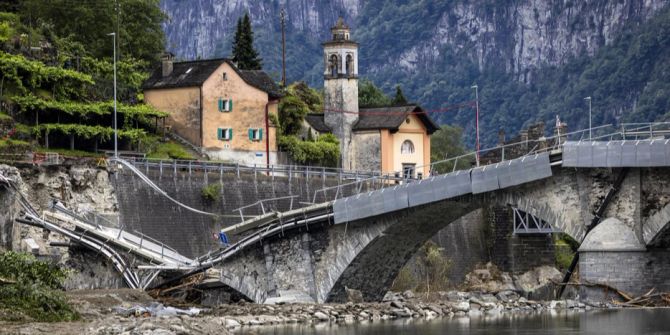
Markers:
<point>589,99</point>
<point>476,123</point>
<point>116,137</point>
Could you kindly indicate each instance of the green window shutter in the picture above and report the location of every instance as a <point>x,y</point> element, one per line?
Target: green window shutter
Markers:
<point>260,133</point>
<point>230,132</point>
<point>220,104</point>
<point>251,134</point>
<point>230,105</point>
<point>219,133</point>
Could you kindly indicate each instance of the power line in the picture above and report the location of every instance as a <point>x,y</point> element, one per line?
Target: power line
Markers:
<point>385,111</point>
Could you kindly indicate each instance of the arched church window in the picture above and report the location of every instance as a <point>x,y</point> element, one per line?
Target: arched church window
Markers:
<point>350,64</point>
<point>407,147</point>
<point>334,65</point>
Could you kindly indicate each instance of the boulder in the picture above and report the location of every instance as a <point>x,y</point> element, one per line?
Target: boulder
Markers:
<point>354,296</point>
<point>321,316</point>
<point>408,294</point>
<point>538,284</point>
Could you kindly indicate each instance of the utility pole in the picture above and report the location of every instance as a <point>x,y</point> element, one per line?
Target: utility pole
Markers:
<point>118,9</point>
<point>116,135</point>
<point>589,99</point>
<point>477,122</point>
<point>282,17</point>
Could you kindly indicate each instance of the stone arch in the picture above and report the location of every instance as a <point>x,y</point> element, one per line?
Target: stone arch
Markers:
<point>656,228</point>
<point>561,217</point>
<point>372,267</point>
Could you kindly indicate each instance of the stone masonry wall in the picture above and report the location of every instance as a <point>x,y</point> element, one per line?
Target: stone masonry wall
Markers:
<point>632,272</point>
<point>517,253</point>
<point>146,211</point>
<point>367,147</point>
<point>465,244</point>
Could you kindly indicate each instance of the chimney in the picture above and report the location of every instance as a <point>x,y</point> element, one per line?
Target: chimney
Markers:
<point>167,60</point>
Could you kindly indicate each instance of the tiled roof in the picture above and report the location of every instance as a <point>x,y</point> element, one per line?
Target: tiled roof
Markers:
<point>260,80</point>
<point>194,73</point>
<point>392,118</point>
<point>378,118</point>
<point>184,74</point>
<point>317,123</point>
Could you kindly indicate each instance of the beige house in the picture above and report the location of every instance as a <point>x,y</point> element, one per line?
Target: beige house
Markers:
<point>218,108</point>
<point>390,139</point>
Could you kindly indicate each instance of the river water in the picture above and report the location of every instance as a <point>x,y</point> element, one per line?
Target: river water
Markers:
<point>622,321</point>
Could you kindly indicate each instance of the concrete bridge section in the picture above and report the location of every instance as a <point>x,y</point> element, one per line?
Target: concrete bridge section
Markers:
<point>365,248</point>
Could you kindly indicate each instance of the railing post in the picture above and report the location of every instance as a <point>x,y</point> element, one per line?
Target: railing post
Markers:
<point>174,167</point>
<point>455,163</point>
<point>237,170</point>
<point>262,207</point>
<point>503,154</point>
<point>189,168</point>
<point>241,214</point>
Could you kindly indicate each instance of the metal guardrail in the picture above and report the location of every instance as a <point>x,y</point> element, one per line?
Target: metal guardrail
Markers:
<point>123,233</point>
<point>261,205</point>
<point>237,169</point>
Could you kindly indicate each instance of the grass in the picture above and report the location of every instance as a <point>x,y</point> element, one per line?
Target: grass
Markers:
<point>5,117</point>
<point>169,150</point>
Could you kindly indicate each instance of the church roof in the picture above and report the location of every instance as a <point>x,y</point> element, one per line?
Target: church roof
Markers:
<point>392,117</point>
<point>317,122</point>
<point>379,118</point>
<point>194,73</point>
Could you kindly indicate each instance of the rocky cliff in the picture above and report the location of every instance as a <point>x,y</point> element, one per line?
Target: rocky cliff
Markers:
<point>437,49</point>
<point>522,34</point>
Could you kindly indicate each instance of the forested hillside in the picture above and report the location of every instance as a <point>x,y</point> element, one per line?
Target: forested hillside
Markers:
<point>532,59</point>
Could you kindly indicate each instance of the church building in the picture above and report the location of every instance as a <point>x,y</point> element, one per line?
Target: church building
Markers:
<point>394,138</point>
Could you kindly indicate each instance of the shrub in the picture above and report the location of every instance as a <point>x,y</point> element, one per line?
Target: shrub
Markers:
<point>32,289</point>
<point>433,268</point>
<point>211,193</point>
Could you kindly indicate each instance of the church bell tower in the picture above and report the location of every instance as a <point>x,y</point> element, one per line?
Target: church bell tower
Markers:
<point>340,56</point>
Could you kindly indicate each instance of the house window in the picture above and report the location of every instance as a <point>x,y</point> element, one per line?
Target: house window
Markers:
<point>225,76</point>
<point>407,148</point>
<point>255,134</point>
<point>408,170</point>
<point>225,134</point>
<point>225,105</point>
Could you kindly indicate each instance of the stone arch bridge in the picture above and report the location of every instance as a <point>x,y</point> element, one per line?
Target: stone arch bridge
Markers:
<point>361,242</point>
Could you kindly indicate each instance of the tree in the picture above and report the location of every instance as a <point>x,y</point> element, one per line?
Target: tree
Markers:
<point>370,95</point>
<point>88,22</point>
<point>292,111</point>
<point>447,143</point>
<point>244,54</point>
<point>399,99</point>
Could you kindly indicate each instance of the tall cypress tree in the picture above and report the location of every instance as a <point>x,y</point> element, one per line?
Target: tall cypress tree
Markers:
<point>244,53</point>
<point>399,98</point>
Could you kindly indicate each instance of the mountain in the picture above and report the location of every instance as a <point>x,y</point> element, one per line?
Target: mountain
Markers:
<point>532,59</point>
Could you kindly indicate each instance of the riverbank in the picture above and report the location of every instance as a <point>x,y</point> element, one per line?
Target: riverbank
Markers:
<point>127,311</point>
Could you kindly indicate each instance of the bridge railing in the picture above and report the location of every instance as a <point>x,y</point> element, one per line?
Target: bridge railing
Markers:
<point>265,205</point>
<point>98,222</point>
<point>191,166</point>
